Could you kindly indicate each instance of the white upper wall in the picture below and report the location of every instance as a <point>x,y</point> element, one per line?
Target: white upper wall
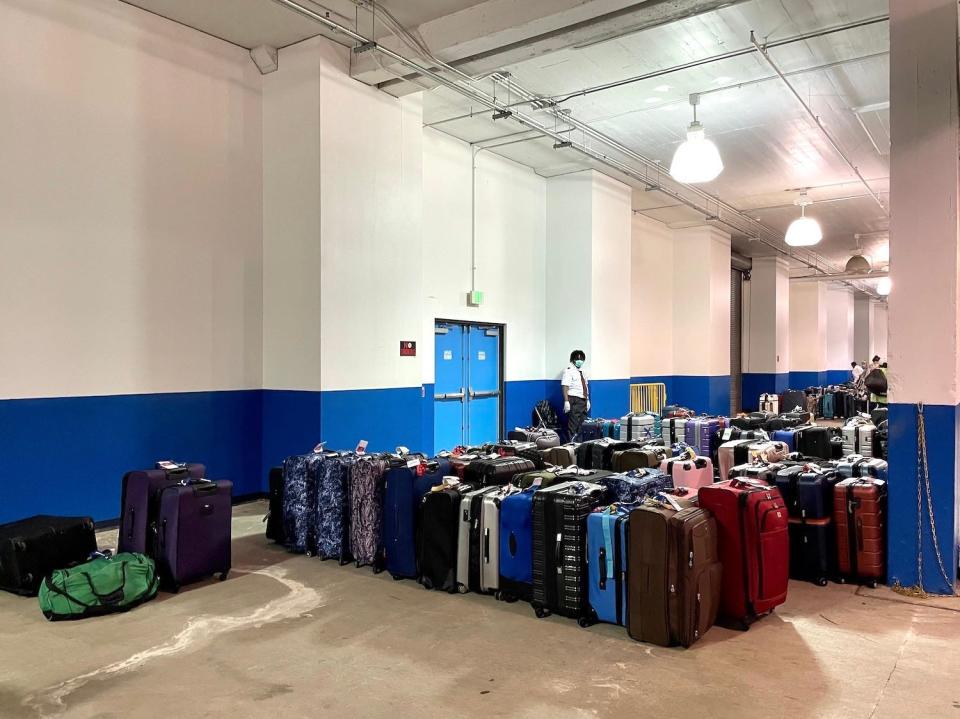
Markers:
<point>878,338</point>
<point>130,211</point>
<point>862,329</point>
<point>610,291</point>
<point>651,298</point>
<point>808,327</point>
<point>511,244</point>
<point>840,328</point>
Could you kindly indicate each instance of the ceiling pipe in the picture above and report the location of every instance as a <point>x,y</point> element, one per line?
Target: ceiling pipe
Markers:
<point>816,118</point>
<point>712,207</point>
<point>842,277</point>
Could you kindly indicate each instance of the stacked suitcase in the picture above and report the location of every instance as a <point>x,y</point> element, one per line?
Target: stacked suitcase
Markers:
<point>808,493</point>
<point>180,519</point>
<point>639,427</point>
<point>31,549</point>
<point>858,438</point>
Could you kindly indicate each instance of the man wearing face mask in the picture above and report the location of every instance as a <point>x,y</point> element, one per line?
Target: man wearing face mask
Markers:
<point>576,393</point>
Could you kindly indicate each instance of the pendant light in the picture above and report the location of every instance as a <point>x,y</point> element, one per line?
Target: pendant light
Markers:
<point>803,231</point>
<point>697,159</point>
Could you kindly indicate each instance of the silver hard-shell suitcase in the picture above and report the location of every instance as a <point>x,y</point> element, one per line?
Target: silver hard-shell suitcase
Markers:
<point>470,514</point>
<point>489,554</point>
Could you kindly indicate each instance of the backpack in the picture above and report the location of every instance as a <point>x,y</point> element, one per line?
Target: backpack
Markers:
<point>876,381</point>
<point>101,586</point>
<point>544,415</point>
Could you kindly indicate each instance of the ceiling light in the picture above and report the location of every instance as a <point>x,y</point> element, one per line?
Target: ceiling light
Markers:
<point>662,88</point>
<point>697,159</point>
<point>883,286</point>
<point>803,231</point>
<point>857,263</point>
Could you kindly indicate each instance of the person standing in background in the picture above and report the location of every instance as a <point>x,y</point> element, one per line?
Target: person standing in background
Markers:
<point>576,393</point>
<point>880,398</point>
<point>856,370</point>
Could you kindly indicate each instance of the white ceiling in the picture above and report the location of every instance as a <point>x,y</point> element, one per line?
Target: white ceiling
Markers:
<point>770,146</point>
<point>249,23</point>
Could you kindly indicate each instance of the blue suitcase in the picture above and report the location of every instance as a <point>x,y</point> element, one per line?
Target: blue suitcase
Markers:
<point>591,429</point>
<point>403,491</point>
<point>788,437</point>
<point>828,405</point>
<point>607,564</point>
<point>300,491</point>
<point>333,509</point>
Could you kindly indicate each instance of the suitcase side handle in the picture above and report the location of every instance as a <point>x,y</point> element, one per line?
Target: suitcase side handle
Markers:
<point>603,567</point>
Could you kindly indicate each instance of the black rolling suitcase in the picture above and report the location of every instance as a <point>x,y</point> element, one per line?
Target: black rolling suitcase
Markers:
<point>32,548</point>
<point>559,550</point>
<point>496,471</point>
<point>815,442</point>
<point>438,536</point>
<point>812,550</point>
<point>274,518</point>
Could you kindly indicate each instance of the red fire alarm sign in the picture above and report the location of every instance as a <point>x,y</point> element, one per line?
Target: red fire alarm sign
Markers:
<point>408,349</point>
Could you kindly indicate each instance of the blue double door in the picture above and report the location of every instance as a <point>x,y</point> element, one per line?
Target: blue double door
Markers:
<point>467,384</point>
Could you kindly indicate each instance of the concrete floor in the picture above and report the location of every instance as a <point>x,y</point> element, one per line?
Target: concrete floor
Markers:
<point>287,636</point>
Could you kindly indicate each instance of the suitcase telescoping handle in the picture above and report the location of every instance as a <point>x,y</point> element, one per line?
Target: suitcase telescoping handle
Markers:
<point>486,545</point>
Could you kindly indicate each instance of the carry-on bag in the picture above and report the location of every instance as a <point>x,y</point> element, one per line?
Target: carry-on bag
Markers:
<point>30,549</point>
<point>439,523</point>
<point>674,574</point>
<point>860,515</point>
<point>812,551</point>
<point>754,547</point>
<point>559,549</point>
<point>193,532</point>
<point>496,471</point>
<point>274,518</point>
<point>405,483</point>
<point>563,456</point>
<point>103,585</point>
<point>689,472</point>
<point>643,458</point>
<point>607,563</point>
<point>138,502</point>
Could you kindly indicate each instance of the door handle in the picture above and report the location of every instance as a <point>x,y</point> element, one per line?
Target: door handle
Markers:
<point>449,395</point>
<point>484,394</point>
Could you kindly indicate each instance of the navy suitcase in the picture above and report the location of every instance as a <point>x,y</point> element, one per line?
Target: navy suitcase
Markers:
<point>607,564</point>
<point>193,532</point>
<point>138,503</point>
<point>812,550</point>
<point>404,487</point>
<point>807,491</point>
<point>631,487</point>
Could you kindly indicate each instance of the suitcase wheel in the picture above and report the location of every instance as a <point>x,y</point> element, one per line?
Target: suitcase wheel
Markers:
<point>498,595</point>
<point>872,584</point>
<point>541,612</point>
<point>822,581</point>
<point>223,575</point>
<point>376,569</point>
<point>462,588</point>
<point>175,589</point>
<point>396,577</point>
<point>585,622</point>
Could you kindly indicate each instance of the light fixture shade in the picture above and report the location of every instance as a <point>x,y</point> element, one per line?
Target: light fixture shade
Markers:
<point>883,286</point>
<point>697,159</point>
<point>804,232</point>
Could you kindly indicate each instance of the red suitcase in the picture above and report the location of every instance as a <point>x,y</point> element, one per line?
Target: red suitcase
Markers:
<point>754,547</point>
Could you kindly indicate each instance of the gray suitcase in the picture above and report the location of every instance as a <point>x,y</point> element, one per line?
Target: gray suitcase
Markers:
<point>489,537</point>
<point>471,509</point>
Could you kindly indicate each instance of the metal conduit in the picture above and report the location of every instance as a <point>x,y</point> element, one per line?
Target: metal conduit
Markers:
<point>712,207</point>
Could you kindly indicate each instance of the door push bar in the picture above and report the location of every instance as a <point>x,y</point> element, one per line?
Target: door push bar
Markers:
<point>484,394</point>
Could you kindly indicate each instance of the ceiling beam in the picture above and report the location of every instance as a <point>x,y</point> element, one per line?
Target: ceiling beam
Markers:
<point>486,37</point>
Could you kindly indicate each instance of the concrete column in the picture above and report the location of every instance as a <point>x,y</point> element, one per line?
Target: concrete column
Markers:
<point>862,329</point>
<point>701,321</point>
<point>808,334</point>
<point>923,306</point>
<point>879,329</point>
<point>588,285</point>
<point>766,343</point>
<point>840,330</point>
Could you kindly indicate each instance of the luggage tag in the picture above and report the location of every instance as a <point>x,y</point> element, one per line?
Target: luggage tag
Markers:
<point>361,447</point>
<point>319,448</point>
<point>169,465</point>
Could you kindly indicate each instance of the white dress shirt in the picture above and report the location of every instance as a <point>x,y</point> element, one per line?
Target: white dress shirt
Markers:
<point>571,380</point>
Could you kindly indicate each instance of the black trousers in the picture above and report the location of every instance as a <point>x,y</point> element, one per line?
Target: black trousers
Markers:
<point>575,417</point>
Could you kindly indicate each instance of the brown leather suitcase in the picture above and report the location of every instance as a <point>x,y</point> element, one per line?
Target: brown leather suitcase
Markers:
<point>673,573</point>
<point>644,458</point>
<point>859,512</point>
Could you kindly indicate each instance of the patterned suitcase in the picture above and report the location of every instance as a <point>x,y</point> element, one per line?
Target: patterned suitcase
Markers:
<point>366,510</point>
<point>333,509</point>
<point>300,490</point>
<point>633,486</point>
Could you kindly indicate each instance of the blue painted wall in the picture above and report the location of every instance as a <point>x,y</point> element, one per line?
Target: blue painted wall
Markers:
<point>705,394</point>
<point>838,376</point>
<point>802,380</point>
<point>68,455</point>
<point>943,438</point>
<point>753,384</point>
<point>609,398</point>
<point>520,398</point>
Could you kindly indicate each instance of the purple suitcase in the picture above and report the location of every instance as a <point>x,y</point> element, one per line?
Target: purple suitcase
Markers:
<point>193,532</point>
<point>138,503</point>
<point>699,433</point>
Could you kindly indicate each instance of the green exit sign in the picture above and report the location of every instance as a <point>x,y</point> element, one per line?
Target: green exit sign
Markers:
<point>474,298</point>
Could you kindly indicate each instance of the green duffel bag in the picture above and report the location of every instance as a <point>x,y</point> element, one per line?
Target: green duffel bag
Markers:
<point>101,586</point>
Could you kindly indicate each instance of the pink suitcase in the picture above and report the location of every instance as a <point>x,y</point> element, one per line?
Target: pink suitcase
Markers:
<point>686,472</point>
<point>768,452</point>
